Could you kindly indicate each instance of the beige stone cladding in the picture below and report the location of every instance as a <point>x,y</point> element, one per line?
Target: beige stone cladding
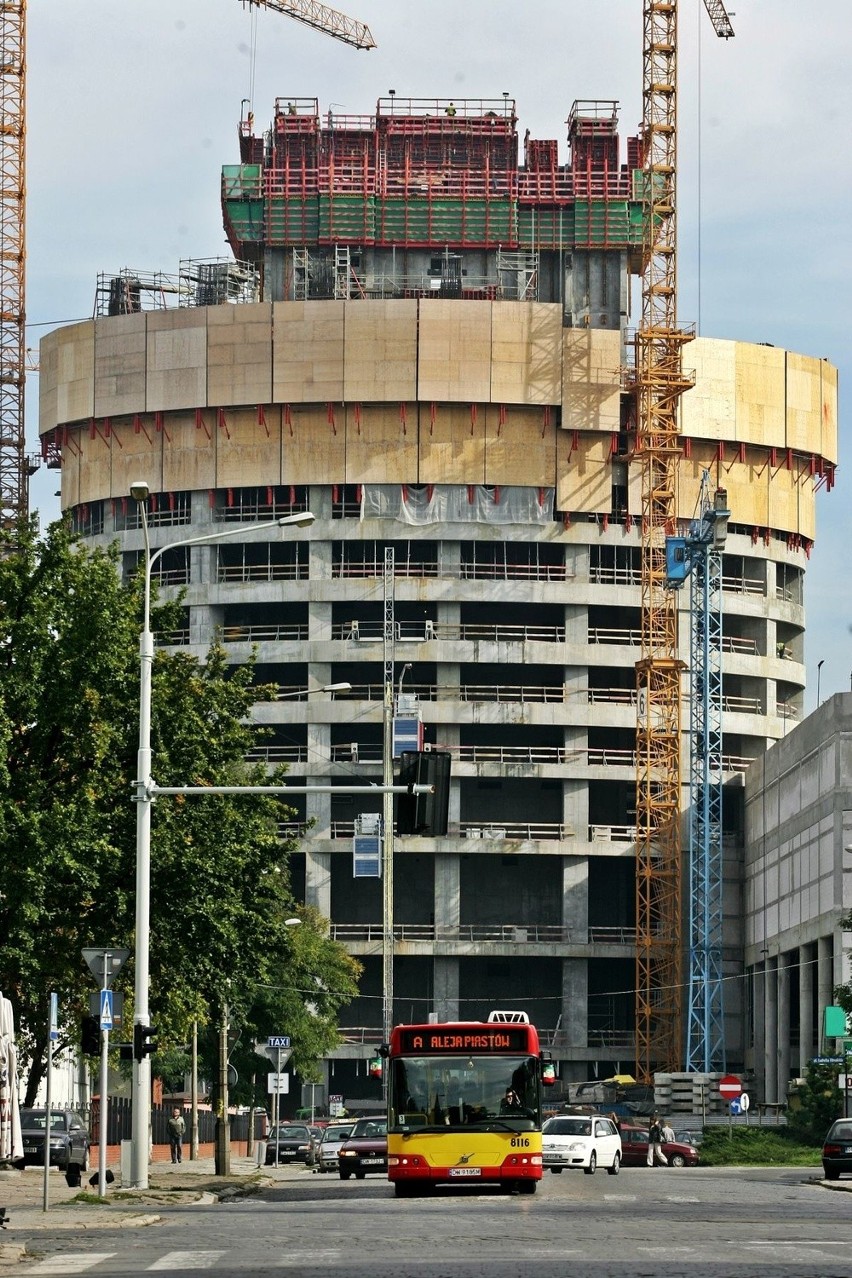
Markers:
<point>526,353</point>
<point>520,445</point>
<point>381,443</point>
<point>454,351</point>
<point>452,445</point>
<point>430,391</point>
<point>380,351</point>
<point>121,343</point>
<point>584,481</point>
<point>239,354</point>
<point>313,444</point>
<point>176,359</point>
<point>307,357</point>
<point>66,386</point>
<point>591,380</point>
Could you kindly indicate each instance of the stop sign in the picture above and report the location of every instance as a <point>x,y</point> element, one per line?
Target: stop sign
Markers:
<point>730,1087</point>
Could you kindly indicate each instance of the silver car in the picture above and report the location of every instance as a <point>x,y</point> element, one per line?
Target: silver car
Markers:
<point>329,1147</point>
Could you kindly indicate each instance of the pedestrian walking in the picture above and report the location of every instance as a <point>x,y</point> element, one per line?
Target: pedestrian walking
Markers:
<point>668,1130</point>
<point>176,1128</point>
<point>655,1143</point>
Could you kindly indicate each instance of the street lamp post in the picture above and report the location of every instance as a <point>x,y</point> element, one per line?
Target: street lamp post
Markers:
<point>141,1078</point>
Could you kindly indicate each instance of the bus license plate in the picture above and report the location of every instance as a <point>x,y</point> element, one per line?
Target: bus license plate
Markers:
<point>465,1171</point>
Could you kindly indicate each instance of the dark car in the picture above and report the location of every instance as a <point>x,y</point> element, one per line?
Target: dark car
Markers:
<point>289,1143</point>
<point>634,1149</point>
<point>68,1139</point>
<point>837,1149</point>
<point>365,1150</point>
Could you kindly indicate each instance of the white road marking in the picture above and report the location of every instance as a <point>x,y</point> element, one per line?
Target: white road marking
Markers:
<point>72,1262</point>
<point>187,1260</point>
<point>297,1259</point>
<point>667,1251</point>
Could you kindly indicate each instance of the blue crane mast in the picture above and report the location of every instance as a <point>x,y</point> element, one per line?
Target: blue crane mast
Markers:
<point>698,558</point>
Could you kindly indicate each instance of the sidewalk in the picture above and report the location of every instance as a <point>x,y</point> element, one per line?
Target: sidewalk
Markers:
<point>22,1194</point>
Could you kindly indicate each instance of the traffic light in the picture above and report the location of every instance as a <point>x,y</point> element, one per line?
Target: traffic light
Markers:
<point>90,1036</point>
<point>125,1051</point>
<point>424,814</point>
<point>376,1068</point>
<point>144,1041</point>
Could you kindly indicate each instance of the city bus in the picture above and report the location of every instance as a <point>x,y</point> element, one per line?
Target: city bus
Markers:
<point>464,1104</point>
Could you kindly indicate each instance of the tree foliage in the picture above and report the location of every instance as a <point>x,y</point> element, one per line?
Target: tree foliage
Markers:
<point>220,891</point>
<point>819,1103</point>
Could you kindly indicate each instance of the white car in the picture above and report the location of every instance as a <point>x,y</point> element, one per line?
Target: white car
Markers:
<point>581,1140</point>
<point>326,1156</point>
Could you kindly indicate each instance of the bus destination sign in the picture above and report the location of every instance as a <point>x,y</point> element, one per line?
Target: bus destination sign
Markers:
<point>445,1040</point>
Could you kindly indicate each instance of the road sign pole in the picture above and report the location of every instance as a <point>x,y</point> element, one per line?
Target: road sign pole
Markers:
<point>104,1082</point>
<point>52,1033</point>
<point>277,1104</point>
<point>102,1142</point>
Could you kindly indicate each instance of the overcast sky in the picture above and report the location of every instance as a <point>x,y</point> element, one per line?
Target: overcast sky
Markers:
<point>133,107</point>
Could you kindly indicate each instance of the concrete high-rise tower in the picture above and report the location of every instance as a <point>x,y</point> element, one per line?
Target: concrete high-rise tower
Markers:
<point>425,340</point>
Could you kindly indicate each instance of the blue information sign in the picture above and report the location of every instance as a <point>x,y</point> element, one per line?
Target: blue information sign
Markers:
<point>106,1009</point>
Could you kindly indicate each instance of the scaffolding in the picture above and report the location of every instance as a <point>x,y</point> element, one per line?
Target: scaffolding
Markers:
<point>427,172</point>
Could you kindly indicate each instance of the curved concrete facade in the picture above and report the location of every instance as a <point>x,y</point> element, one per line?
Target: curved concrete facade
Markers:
<point>492,447</point>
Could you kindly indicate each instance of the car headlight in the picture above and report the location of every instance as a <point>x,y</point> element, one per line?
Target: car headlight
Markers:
<point>347,1153</point>
<point>575,1145</point>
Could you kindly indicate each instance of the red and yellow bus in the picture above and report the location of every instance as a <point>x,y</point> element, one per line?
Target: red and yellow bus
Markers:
<point>464,1104</point>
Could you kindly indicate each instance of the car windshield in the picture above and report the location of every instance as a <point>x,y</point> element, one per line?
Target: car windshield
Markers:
<point>336,1133</point>
<point>841,1131</point>
<point>34,1120</point>
<point>567,1127</point>
<point>369,1129</point>
<point>292,1133</point>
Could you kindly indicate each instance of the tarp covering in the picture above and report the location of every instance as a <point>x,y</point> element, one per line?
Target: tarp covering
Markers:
<point>11,1145</point>
<point>457,504</point>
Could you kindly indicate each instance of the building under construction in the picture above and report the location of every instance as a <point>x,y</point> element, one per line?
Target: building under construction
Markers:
<point>425,340</point>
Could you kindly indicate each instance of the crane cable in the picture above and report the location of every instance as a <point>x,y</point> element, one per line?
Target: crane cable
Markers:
<point>252,60</point>
<point>698,162</point>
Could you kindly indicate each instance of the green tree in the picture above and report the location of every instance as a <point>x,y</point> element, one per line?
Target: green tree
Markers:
<point>820,1103</point>
<point>220,891</point>
<point>67,634</point>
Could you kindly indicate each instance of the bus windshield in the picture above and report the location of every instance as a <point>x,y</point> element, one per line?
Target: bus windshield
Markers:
<point>459,1090</point>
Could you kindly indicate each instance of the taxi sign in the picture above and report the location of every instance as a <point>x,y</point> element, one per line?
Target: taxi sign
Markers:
<point>278,1040</point>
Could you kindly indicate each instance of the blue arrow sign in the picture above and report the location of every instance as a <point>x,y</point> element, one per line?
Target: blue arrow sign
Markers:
<point>736,1106</point>
<point>278,1040</point>
<point>106,1009</point>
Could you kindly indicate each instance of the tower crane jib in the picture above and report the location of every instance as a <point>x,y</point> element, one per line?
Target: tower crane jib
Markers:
<point>720,18</point>
<point>322,18</point>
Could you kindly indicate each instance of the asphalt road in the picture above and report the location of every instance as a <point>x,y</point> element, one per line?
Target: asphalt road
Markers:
<point>698,1222</point>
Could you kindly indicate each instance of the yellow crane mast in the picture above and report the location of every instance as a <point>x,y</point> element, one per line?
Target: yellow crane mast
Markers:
<point>13,470</point>
<point>660,382</point>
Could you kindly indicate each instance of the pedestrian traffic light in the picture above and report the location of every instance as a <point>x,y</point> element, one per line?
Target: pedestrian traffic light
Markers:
<point>90,1036</point>
<point>125,1051</point>
<point>424,814</point>
<point>144,1041</point>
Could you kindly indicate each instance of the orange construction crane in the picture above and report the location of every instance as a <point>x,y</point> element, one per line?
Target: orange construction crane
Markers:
<point>15,467</point>
<point>14,470</point>
<point>660,382</point>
